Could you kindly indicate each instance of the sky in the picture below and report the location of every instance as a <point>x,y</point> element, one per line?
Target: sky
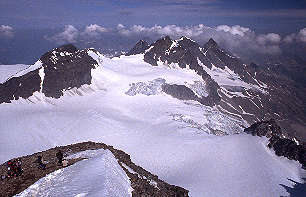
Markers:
<point>54,22</point>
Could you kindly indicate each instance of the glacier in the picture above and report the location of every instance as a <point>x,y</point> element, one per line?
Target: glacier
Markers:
<point>160,133</point>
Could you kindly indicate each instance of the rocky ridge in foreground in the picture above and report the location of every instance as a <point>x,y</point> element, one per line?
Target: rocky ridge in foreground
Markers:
<point>141,180</point>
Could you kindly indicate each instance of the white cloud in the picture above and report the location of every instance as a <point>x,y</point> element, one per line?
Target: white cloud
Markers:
<point>69,35</point>
<point>157,30</point>
<point>73,35</point>
<point>302,35</point>
<point>290,38</point>
<point>235,38</point>
<point>296,37</point>
<point>94,30</point>
<point>120,26</point>
<point>235,30</point>
<point>270,38</point>
<point>6,31</point>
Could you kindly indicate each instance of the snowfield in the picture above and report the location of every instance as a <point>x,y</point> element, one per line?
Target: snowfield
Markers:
<point>7,71</point>
<point>166,136</point>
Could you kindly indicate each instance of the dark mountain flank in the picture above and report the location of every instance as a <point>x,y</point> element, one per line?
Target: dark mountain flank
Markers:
<point>57,70</point>
<point>140,47</point>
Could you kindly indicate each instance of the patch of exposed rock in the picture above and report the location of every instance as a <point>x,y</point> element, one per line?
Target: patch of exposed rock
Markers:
<point>288,148</point>
<point>279,141</point>
<point>144,183</point>
<point>264,128</point>
<point>185,93</point>
<point>140,47</point>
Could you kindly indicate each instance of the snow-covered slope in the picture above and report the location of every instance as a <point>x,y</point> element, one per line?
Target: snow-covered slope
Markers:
<point>99,175</point>
<point>169,137</point>
<point>7,71</point>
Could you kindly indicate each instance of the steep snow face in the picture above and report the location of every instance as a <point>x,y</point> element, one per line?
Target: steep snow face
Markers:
<point>42,77</point>
<point>169,137</point>
<point>35,66</point>
<point>98,175</point>
<point>95,55</point>
<point>228,79</point>
<point>7,71</point>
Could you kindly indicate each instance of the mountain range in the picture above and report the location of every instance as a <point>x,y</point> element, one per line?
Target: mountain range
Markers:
<point>172,105</point>
<point>246,92</point>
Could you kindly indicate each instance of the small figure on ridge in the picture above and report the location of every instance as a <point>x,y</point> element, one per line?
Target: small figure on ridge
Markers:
<point>59,156</point>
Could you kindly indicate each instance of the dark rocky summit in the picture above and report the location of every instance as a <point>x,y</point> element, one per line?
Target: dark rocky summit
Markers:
<point>267,128</point>
<point>210,44</point>
<point>140,47</point>
<point>184,53</point>
<point>279,141</point>
<point>141,180</point>
<point>57,70</point>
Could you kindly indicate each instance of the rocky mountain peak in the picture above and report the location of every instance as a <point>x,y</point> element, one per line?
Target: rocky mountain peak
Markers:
<point>166,38</point>
<point>163,43</point>
<point>68,48</point>
<point>60,69</point>
<point>185,53</point>
<point>186,38</point>
<point>211,44</point>
<point>140,47</point>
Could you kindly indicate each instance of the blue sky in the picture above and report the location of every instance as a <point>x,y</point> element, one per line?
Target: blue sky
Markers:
<point>262,15</point>
<point>29,28</point>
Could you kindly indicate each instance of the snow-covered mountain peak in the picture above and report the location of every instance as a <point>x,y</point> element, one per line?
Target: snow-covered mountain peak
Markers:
<point>68,48</point>
<point>166,38</point>
<point>57,70</point>
<point>185,38</point>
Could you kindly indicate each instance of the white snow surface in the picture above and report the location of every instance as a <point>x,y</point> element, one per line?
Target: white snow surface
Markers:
<point>7,71</point>
<point>160,133</point>
<point>99,175</point>
<point>228,78</point>
<point>35,66</point>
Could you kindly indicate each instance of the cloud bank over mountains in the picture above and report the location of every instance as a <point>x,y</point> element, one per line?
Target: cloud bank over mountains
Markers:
<point>69,35</point>
<point>231,37</point>
<point>235,38</point>
<point>242,41</point>
<point>299,37</point>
